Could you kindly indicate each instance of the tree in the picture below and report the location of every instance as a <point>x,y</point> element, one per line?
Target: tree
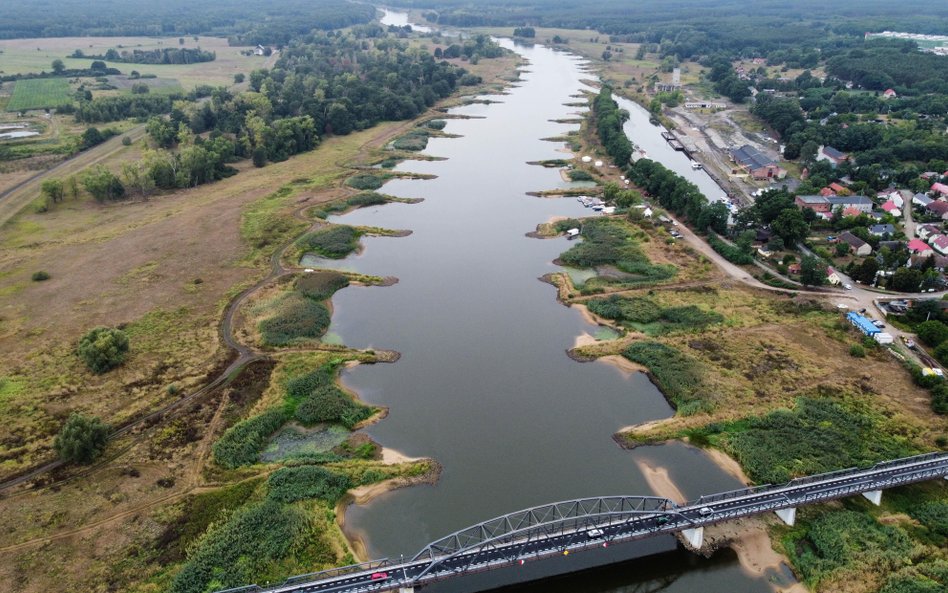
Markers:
<point>771,203</point>
<point>53,189</point>
<point>866,271</point>
<point>812,271</point>
<point>259,156</point>
<point>103,184</point>
<point>906,280</point>
<point>790,226</point>
<point>140,88</point>
<point>934,333</point>
<point>138,177</point>
<point>713,217</point>
<point>72,186</point>
<point>103,348</point>
<point>239,78</point>
<point>81,439</point>
<point>58,66</point>
<point>842,249</point>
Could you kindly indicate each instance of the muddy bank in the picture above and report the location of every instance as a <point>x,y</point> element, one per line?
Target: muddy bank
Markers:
<point>364,494</point>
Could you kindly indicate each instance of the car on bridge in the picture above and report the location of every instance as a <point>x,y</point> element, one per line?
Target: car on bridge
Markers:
<point>594,533</point>
<point>706,511</point>
<point>379,576</point>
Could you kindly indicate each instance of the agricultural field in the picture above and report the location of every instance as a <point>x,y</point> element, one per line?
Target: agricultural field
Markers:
<point>21,56</point>
<point>39,93</point>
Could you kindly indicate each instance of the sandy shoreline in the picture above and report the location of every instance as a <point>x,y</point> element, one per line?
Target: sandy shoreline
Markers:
<point>747,537</point>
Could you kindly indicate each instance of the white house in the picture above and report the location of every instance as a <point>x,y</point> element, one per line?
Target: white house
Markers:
<point>832,276</point>
<point>939,243</point>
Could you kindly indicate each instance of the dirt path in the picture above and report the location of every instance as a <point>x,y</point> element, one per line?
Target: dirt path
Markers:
<point>20,195</point>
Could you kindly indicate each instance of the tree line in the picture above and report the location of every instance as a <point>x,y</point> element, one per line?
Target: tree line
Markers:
<point>609,120</point>
<point>246,23</point>
<point>167,55</point>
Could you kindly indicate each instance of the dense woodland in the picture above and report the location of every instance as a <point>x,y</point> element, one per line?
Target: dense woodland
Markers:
<point>247,23</point>
<point>692,28</point>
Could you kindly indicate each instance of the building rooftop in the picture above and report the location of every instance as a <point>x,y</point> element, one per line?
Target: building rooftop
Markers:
<point>750,157</point>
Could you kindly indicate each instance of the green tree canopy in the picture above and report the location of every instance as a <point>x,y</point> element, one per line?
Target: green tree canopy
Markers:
<point>103,348</point>
<point>81,439</point>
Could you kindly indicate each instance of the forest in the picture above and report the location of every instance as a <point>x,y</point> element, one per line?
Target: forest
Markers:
<point>247,23</point>
<point>690,28</point>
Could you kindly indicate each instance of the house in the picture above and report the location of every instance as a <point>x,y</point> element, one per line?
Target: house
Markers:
<point>940,262</point>
<point>927,230</point>
<point>833,156</point>
<point>919,247</point>
<point>938,208</point>
<point>860,203</point>
<point>837,187</point>
<point>940,243</point>
<point>757,164</point>
<point>891,245</point>
<point>889,94</point>
<point>894,196</point>
<point>881,230</point>
<point>794,268</point>
<point>921,200</point>
<point>832,276</point>
<point>819,204</point>
<point>890,208</point>
<point>856,245</point>
<point>827,192</point>
<point>940,188</point>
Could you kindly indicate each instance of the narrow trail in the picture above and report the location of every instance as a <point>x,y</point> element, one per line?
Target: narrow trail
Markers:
<point>245,353</point>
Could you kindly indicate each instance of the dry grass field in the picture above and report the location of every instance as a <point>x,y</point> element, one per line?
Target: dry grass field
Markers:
<point>36,55</point>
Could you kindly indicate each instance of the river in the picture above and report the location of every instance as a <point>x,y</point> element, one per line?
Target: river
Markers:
<point>484,384</point>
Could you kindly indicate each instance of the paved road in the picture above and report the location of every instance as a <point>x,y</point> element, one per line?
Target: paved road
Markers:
<point>547,540</point>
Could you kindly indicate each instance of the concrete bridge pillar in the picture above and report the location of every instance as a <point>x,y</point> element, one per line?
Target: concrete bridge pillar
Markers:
<point>695,537</point>
<point>406,590</point>
<point>788,516</point>
<point>874,496</point>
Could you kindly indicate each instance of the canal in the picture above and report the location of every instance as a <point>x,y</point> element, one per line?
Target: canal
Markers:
<point>484,385</point>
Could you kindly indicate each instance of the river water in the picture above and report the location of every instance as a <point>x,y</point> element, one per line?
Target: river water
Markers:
<point>484,384</point>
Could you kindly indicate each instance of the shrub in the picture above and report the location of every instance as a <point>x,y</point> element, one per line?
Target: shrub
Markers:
<point>40,276</point>
<point>579,175</point>
<point>126,141</point>
<point>328,403</point>
<point>336,241</point>
<point>365,181</point>
<point>857,351</point>
<point>290,484</point>
<point>103,348</point>
<point>677,375</point>
<point>298,318</point>
<point>415,140</point>
<point>321,285</point>
<point>611,242</point>
<point>366,199</point>
<point>81,439</point>
<point>818,435</point>
<point>242,443</point>
<point>731,253</point>
<point>249,544</point>
<point>436,124</point>
<point>933,333</point>
<point>299,387</point>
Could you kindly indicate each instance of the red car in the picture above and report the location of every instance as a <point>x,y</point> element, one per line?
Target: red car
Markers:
<point>379,576</point>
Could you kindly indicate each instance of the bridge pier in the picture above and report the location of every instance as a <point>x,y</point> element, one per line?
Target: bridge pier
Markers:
<point>874,496</point>
<point>788,516</point>
<point>695,537</point>
<point>406,590</point>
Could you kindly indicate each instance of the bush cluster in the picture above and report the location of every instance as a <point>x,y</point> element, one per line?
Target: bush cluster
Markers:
<point>321,285</point>
<point>103,349</point>
<point>335,241</point>
<point>610,242</point>
<point>415,140</point>
<point>289,484</point>
<point>297,317</point>
<point>677,375</point>
<point>818,435</point>
<point>242,443</point>
<point>644,310</point>
<point>365,181</point>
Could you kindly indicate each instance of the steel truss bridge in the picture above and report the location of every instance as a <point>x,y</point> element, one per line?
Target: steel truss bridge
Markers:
<point>563,528</point>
